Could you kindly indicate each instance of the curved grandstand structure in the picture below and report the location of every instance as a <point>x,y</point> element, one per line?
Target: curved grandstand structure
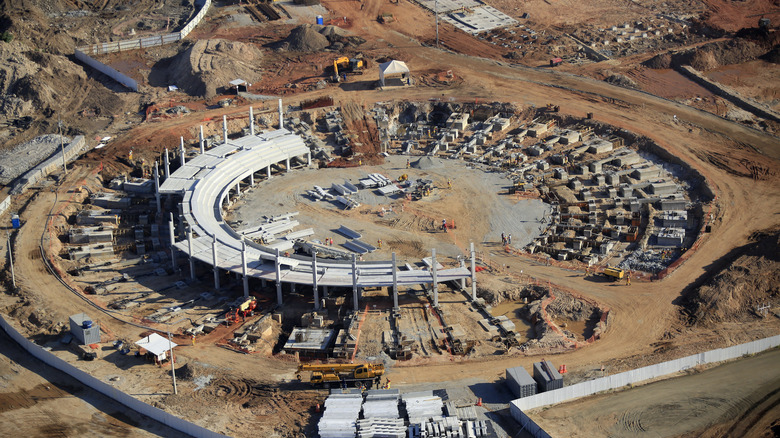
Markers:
<point>205,184</point>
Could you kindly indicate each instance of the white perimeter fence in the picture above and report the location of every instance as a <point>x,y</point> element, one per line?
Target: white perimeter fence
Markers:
<point>83,53</point>
<point>4,204</point>
<point>142,408</point>
<point>591,387</point>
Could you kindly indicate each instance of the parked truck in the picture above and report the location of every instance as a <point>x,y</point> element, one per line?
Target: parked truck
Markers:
<point>613,274</point>
<point>334,375</point>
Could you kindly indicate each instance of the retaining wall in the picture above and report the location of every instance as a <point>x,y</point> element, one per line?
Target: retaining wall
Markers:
<point>83,53</point>
<point>142,408</point>
<point>591,387</point>
<point>4,204</point>
<point>729,94</point>
<point>42,170</point>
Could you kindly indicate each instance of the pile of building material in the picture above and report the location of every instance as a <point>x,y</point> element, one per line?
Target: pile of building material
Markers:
<point>341,414</point>
<point>381,428</point>
<point>381,403</point>
<point>422,407</point>
<point>547,376</point>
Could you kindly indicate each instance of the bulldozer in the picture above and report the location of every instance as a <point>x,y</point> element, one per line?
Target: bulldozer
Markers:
<point>403,177</point>
<point>343,66</point>
<point>328,375</point>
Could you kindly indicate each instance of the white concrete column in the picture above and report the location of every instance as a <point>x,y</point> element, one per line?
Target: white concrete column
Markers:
<point>278,279</point>
<point>462,265</point>
<point>224,130</point>
<point>202,141</point>
<point>243,268</point>
<point>268,170</point>
<point>182,158</point>
<point>252,179</point>
<point>189,250</point>
<point>281,115</point>
<point>157,187</point>
<point>173,240</point>
<point>473,273</point>
<point>435,281</point>
<point>251,121</point>
<point>324,291</point>
<point>314,280</point>
<point>354,282</point>
<point>215,261</point>
<point>308,158</point>
<point>167,167</point>
<point>287,164</point>
<point>395,283</point>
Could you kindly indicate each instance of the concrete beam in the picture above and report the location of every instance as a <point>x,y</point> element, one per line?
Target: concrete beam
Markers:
<point>243,268</point>
<point>157,187</point>
<point>202,141</point>
<point>182,158</point>
<point>473,274</point>
<point>173,241</point>
<point>215,260</point>
<point>167,167</point>
<point>251,121</point>
<point>278,279</point>
<point>314,280</point>
<point>395,283</point>
<point>189,250</point>
<point>354,281</point>
<point>435,282</point>
<point>224,130</point>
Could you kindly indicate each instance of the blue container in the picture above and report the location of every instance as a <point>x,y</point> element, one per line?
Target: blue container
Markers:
<point>15,222</point>
<point>86,324</point>
<point>319,20</point>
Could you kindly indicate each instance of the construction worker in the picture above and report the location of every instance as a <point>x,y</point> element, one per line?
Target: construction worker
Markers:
<point>360,162</point>
<point>193,339</point>
<point>449,183</point>
<point>509,239</point>
<point>379,242</point>
<point>503,239</point>
<point>408,163</point>
<point>444,224</point>
<point>628,278</point>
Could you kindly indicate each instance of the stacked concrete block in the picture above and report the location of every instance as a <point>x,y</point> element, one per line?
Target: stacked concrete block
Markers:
<point>547,377</point>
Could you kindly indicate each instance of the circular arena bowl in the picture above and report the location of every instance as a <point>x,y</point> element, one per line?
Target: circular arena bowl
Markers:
<point>204,186</point>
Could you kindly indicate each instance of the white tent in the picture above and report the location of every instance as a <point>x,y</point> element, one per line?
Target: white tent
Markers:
<point>392,68</point>
<point>157,345</point>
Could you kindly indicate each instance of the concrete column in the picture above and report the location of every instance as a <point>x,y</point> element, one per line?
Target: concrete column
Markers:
<point>314,280</point>
<point>189,249</point>
<point>292,287</point>
<point>308,158</point>
<point>244,269</point>
<point>435,282</point>
<point>324,291</point>
<point>354,282</point>
<point>462,280</point>
<point>278,279</point>
<point>181,152</point>
<point>268,170</point>
<point>473,273</point>
<point>252,179</point>
<point>157,187</point>
<point>215,261</point>
<point>167,167</point>
<point>224,130</point>
<point>238,189</point>
<point>173,240</point>
<point>251,121</point>
<point>263,283</point>
<point>395,283</point>
<point>287,164</point>
<point>281,115</point>
<point>202,141</point>
<point>182,233</point>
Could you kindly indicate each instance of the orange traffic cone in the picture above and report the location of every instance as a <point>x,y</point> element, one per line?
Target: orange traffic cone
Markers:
<point>479,401</point>
<point>562,369</point>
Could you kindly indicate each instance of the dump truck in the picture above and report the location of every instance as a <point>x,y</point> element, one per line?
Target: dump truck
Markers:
<point>555,62</point>
<point>348,66</point>
<point>334,375</point>
<point>613,274</point>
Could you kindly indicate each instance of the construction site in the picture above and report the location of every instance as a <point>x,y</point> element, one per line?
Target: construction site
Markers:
<point>389,219</point>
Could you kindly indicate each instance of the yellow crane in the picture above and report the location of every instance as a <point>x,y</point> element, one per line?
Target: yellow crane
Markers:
<point>343,374</point>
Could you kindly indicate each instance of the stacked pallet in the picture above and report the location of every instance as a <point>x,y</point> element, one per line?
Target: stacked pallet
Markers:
<point>340,416</point>
<point>381,403</point>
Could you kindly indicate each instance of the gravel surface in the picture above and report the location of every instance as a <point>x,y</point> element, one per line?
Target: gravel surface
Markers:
<point>25,156</point>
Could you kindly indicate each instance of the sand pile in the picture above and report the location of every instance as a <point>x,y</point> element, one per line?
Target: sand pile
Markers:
<point>306,39</point>
<point>427,163</point>
<point>207,66</point>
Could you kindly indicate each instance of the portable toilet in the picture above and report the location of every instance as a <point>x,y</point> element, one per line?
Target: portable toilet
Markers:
<point>15,222</point>
<point>320,20</point>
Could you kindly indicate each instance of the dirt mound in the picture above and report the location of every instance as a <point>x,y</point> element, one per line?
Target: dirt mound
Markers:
<point>751,280</point>
<point>621,81</point>
<point>306,39</point>
<point>333,32</point>
<point>712,55</point>
<point>427,163</point>
<point>772,56</point>
<point>206,67</point>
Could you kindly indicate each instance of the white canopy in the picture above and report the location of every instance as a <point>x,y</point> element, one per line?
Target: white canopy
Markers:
<point>391,68</point>
<point>156,344</point>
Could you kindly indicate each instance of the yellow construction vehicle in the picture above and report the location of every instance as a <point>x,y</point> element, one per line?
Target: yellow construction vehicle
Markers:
<point>348,66</point>
<point>613,274</point>
<point>343,374</point>
<point>403,177</point>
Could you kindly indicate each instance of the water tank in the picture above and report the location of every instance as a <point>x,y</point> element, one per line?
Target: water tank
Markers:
<point>86,324</point>
<point>319,20</point>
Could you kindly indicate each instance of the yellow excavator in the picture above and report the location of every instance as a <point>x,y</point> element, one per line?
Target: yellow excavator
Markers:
<point>343,374</point>
<point>348,66</point>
